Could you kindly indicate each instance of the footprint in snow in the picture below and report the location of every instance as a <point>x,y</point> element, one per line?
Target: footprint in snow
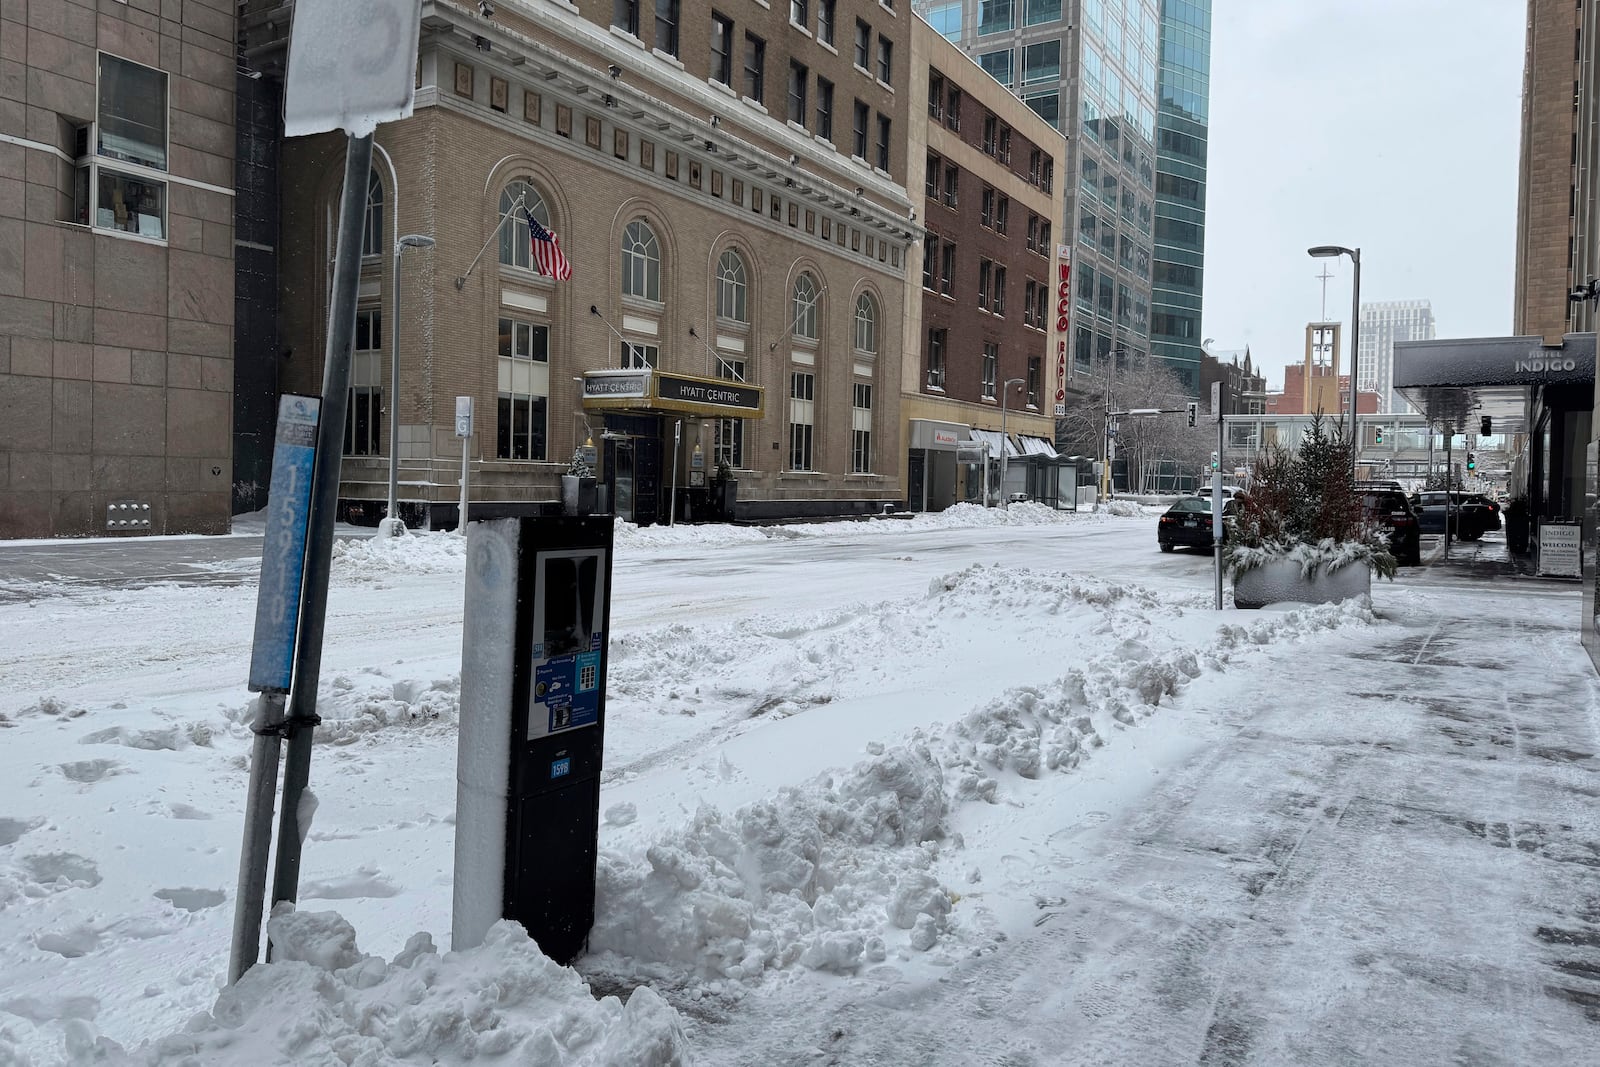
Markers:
<point>77,941</point>
<point>186,811</point>
<point>61,870</point>
<point>365,882</point>
<point>191,899</point>
<point>92,770</point>
<point>11,830</point>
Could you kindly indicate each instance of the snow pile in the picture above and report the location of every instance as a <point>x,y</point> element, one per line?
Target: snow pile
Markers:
<point>322,1001</point>
<point>369,559</point>
<point>811,876</point>
<point>1123,509</point>
<point>840,872</point>
<point>962,516</point>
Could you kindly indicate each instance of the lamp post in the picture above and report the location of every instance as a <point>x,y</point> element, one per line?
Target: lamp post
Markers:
<point>1333,252</point>
<point>392,524</point>
<point>1004,446</point>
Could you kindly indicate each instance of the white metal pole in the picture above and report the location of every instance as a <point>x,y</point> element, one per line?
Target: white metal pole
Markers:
<point>466,456</point>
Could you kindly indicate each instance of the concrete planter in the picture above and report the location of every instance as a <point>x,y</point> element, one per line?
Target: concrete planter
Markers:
<point>1281,581</point>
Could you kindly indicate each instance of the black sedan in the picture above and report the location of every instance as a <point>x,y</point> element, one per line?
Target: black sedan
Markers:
<point>1188,523</point>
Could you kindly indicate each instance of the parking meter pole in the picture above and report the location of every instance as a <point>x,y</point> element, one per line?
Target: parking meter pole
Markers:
<point>302,718</point>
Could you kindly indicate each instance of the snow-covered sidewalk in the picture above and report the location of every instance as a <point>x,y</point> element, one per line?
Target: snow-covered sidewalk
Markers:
<point>871,788</point>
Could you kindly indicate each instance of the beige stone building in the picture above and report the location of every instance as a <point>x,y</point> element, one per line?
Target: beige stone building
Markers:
<point>728,187</point>
<point>116,266</point>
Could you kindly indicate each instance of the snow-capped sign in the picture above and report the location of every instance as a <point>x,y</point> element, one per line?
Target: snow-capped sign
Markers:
<point>352,65</point>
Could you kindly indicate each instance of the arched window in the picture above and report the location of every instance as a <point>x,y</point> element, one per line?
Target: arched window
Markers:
<point>805,307</point>
<point>641,261</point>
<point>731,287</point>
<point>372,233</point>
<point>866,324</point>
<point>514,234</point>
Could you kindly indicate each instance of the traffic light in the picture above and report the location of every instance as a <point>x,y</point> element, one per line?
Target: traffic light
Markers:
<point>1215,463</point>
<point>1484,426</point>
<point>1194,411</point>
<point>1472,462</point>
<point>1378,437</point>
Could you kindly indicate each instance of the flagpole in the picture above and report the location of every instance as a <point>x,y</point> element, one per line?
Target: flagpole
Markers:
<point>461,282</point>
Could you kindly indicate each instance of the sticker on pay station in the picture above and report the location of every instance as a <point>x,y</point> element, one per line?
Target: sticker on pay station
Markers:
<point>566,656</point>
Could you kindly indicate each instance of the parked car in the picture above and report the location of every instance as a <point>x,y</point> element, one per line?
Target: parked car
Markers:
<point>1187,523</point>
<point>1468,519</point>
<point>1227,491</point>
<point>1492,520</point>
<point>1392,508</point>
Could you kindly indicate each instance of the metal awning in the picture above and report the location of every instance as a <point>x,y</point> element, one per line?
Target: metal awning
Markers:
<point>1036,446</point>
<point>1452,382</point>
<point>996,442</point>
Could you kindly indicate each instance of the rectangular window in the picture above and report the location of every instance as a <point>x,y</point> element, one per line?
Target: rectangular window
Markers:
<point>824,128</point>
<point>636,356</point>
<point>952,110</point>
<point>985,268</point>
<point>986,212</point>
<point>1002,214</point>
<point>521,409</point>
<point>952,181</point>
<point>998,66</point>
<point>797,92</point>
<point>363,425</point>
<point>1041,311</point>
<point>935,95</point>
<point>991,370</point>
<point>798,12</point>
<point>883,142</point>
<point>1044,237</point>
<point>729,445</point>
<point>520,426</point>
<point>930,262</point>
<point>1034,160</point>
<point>127,193</point>
<point>667,26</point>
<point>1035,376</point>
<point>994,16</point>
<point>625,16</point>
<point>1005,144</point>
<point>885,59</point>
<point>863,45</point>
<point>755,66</point>
<point>930,184</point>
<point>936,346</point>
<point>861,428</point>
<point>997,298</point>
<point>825,21</point>
<point>991,128</point>
<point>524,340</point>
<point>947,269</point>
<point>1033,232</point>
<point>802,396</point>
<point>859,148</point>
<point>1041,62</point>
<point>1038,11</point>
<point>721,48</point>
<point>1030,292</point>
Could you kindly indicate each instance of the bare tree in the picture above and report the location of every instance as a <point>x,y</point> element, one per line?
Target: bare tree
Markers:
<point>1144,442</point>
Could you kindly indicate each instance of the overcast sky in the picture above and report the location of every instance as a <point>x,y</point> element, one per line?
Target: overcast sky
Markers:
<point>1388,125</point>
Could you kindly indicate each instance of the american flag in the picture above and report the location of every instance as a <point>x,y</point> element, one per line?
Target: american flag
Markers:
<point>546,248</point>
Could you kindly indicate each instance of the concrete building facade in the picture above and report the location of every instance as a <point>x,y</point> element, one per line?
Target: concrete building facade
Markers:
<point>729,189</point>
<point>116,267</point>
<point>987,310</point>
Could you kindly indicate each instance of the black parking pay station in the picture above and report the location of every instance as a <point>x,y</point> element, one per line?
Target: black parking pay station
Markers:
<point>533,669</point>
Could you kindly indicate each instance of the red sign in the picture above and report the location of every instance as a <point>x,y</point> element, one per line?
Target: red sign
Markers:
<point>1063,320</point>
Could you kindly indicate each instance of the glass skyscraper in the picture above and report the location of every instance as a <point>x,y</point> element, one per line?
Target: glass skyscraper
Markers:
<point>1090,68</point>
<point>1181,124</point>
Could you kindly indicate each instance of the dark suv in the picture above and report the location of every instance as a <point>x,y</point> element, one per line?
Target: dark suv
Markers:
<point>1388,507</point>
<point>1468,518</point>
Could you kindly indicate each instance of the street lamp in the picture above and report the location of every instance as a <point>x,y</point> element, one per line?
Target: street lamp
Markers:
<point>1004,445</point>
<point>392,523</point>
<point>1333,252</point>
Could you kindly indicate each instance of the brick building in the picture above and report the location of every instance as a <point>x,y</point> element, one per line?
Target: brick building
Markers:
<point>986,312</point>
<point>116,266</point>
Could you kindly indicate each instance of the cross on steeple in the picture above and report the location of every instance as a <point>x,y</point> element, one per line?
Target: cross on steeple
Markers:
<point>1324,276</point>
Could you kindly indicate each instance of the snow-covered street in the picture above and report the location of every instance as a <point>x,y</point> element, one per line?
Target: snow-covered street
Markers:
<point>964,788</point>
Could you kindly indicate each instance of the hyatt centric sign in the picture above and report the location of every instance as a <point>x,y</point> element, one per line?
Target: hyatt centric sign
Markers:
<point>690,391</point>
